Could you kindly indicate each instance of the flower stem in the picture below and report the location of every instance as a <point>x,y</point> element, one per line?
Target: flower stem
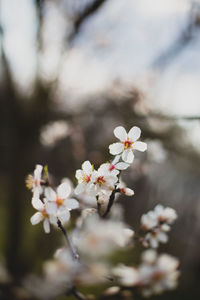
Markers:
<point>77,294</point>
<point>111,202</point>
<point>64,231</point>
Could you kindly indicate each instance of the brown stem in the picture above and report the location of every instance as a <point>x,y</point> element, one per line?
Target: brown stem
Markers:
<point>64,231</point>
<point>111,202</point>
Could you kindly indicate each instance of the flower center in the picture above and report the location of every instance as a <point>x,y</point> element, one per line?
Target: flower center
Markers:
<point>86,178</point>
<point>127,144</point>
<point>100,180</point>
<point>157,276</point>
<point>44,213</point>
<point>111,167</point>
<point>59,201</point>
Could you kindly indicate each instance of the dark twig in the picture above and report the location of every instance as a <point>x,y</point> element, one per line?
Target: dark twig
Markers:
<point>76,293</point>
<point>110,203</point>
<point>89,10</point>
<point>64,231</point>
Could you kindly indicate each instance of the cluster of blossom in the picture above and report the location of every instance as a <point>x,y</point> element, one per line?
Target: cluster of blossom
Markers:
<point>156,223</point>
<point>51,205</point>
<point>154,275</point>
<point>95,237</point>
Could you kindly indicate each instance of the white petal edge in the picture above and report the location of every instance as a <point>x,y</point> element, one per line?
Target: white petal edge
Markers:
<point>37,203</point>
<point>140,146</point>
<point>116,148</point>
<point>71,204</point>
<point>80,188</point>
<point>134,133</point>
<point>120,133</point>
<point>64,215</point>
<point>122,166</point>
<point>87,167</point>
<point>36,218</point>
<point>46,225</point>
<point>64,190</point>
<point>128,156</point>
<point>50,194</point>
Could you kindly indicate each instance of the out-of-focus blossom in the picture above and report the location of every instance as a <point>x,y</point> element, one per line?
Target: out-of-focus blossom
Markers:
<point>155,274</point>
<point>54,132</point>
<point>128,143</point>
<point>42,215</point>
<point>33,182</point>
<point>128,276</point>
<point>158,273</point>
<point>99,237</point>
<point>59,204</point>
<point>156,224</point>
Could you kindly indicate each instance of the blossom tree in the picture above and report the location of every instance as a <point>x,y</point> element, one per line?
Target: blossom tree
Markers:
<point>98,229</point>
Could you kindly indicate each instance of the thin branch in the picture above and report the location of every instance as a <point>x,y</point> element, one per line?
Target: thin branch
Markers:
<point>111,202</point>
<point>88,11</point>
<point>77,294</point>
<point>64,231</point>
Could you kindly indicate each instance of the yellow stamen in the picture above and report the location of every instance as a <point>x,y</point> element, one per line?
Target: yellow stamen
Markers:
<point>128,144</point>
<point>59,201</point>
<point>100,180</point>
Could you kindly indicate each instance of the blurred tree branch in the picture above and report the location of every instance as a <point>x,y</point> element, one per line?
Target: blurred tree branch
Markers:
<point>87,12</point>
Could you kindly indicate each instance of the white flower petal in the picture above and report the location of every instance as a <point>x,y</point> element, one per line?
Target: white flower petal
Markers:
<point>134,133</point>
<point>37,203</point>
<point>154,243</point>
<point>128,156</point>
<point>38,172</point>
<point>87,167</point>
<point>80,188</point>
<point>79,174</point>
<point>50,194</point>
<point>51,208</point>
<point>120,133</point>
<point>64,215</point>
<point>64,190</point>
<point>162,237</point>
<point>122,166</point>
<point>116,159</point>
<point>53,220</point>
<point>36,218</point>
<point>46,225</point>
<point>116,148</point>
<point>140,146</point>
<point>71,204</point>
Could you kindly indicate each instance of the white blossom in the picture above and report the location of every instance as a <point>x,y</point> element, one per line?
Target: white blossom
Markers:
<point>128,143</point>
<point>84,178</point>
<point>153,276</point>
<point>59,204</point>
<point>158,273</point>
<point>156,224</point>
<point>99,237</point>
<point>33,182</point>
<point>115,166</point>
<point>42,215</point>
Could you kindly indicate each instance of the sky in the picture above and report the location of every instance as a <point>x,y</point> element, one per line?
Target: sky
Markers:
<point>123,41</point>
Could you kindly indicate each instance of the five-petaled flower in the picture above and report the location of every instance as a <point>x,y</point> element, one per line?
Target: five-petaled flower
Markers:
<point>128,143</point>
<point>42,214</point>
<point>59,204</point>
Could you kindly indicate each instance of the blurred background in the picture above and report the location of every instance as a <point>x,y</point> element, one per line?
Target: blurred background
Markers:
<point>70,72</point>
